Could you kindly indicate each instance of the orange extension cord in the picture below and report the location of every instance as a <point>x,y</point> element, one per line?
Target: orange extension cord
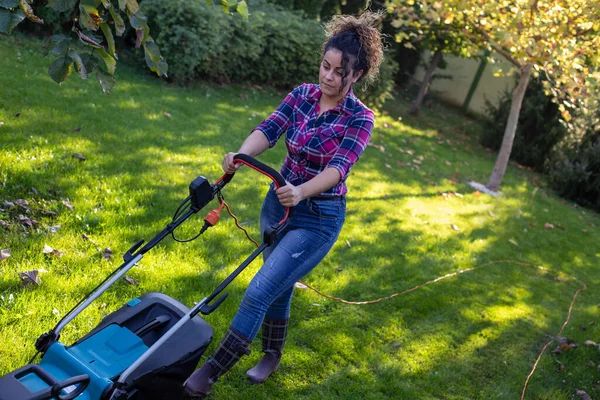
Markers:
<point>462,271</point>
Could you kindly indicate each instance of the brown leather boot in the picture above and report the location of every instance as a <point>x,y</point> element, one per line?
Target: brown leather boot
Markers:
<point>274,332</point>
<point>232,347</point>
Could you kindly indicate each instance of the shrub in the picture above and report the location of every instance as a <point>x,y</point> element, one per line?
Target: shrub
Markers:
<point>575,171</point>
<point>538,130</point>
<point>376,94</point>
<point>274,46</point>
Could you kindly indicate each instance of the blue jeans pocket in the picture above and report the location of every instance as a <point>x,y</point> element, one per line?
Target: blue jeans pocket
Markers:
<point>324,209</point>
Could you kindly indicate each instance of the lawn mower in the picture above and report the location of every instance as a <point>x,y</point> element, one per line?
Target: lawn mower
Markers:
<point>147,348</point>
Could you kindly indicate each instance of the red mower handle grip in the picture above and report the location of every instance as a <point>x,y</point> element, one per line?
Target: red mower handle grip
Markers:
<point>258,166</point>
<point>263,169</point>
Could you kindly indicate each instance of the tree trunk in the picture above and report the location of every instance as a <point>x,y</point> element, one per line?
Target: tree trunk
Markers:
<point>510,130</point>
<point>435,60</point>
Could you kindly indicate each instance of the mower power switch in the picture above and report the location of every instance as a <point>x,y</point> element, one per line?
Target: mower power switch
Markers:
<point>201,193</point>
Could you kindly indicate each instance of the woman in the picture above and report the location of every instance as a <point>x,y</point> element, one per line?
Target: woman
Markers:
<point>327,128</point>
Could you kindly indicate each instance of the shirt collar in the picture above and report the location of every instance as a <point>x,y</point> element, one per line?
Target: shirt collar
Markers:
<point>347,104</point>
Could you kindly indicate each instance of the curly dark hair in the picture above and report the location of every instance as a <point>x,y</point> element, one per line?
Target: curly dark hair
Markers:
<point>359,41</point>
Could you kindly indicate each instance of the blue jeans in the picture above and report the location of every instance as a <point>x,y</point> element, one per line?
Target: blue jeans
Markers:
<point>313,228</point>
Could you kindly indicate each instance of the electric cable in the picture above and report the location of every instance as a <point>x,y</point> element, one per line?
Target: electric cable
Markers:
<point>462,271</point>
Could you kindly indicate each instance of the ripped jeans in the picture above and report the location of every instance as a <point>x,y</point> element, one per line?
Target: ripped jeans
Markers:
<point>313,228</point>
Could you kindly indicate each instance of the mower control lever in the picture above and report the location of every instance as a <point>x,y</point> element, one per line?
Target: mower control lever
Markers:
<point>129,254</point>
<point>207,308</point>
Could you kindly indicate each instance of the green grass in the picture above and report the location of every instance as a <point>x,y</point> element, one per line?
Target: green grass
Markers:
<point>472,336</point>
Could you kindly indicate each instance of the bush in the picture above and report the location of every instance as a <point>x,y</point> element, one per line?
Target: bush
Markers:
<point>575,171</point>
<point>538,130</point>
<point>274,46</point>
<point>376,94</point>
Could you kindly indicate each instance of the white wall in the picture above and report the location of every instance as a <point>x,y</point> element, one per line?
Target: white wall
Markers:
<point>463,71</point>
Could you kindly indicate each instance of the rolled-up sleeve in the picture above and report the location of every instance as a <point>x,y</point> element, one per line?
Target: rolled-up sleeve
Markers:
<point>355,141</point>
<point>274,126</point>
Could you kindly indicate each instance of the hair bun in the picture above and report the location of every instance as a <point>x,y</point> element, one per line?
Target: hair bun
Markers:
<point>365,28</point>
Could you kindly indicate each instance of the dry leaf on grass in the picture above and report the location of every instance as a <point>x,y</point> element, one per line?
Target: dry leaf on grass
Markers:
<point>49,250</point>
<point>131,281</point>
<point>29,278</point>
<point>564,345</point>
<point>583,395</point>
<point>4,254</point>
<point>68,204</point>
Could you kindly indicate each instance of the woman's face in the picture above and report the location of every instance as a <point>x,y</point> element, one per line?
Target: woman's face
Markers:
<point>330,75</point>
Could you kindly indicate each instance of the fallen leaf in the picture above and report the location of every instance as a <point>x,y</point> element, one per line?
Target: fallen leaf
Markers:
<point>166,114</point>
<point>532,224</point>
<point>448,163</point>
<point>48,212</point>
<point>564,345</point>
<point>49,250</point>
<point>513,241</point>
<point>460,196</point>
<point>590,363</point>
<point>30,278</point>
<point>8,204</point>
<point>27,221</point>
<point>348,243</point>
<point>548,226</point>
<point>68,204</point>
<point>492,214</point>
<point>559,226</point>
<point>4,254</point>
<point>583,395</point>
<point>590,343</point>
<point>454,227</point>
<point>107,254</point>
<point>54,229</point>
<point>388,166</point>
<point>131,281</point>
<point>79,156</point>
<point>86,237</point>
<point>22,202</point>
<point>4,224</point>
<point>477,193</point>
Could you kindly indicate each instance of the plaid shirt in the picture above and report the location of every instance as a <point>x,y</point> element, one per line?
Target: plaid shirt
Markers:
<point>335,139</point>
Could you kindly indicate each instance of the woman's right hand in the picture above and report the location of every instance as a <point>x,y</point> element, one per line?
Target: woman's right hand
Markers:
<point>229,167</point>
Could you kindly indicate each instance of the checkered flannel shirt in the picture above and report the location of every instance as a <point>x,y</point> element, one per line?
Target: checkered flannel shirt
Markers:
<point>335,139</point>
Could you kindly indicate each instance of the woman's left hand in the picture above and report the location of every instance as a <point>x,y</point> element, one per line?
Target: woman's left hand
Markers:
<point>290,195</point>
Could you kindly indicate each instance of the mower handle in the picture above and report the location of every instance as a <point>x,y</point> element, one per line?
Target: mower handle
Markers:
<point>256,165</point>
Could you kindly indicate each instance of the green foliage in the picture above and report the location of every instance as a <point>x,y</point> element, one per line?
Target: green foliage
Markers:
<point>575,171</point>
<point>274,46</point>
<point>378,92</point>
<point>539,128</point>
<point>88,17</point>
